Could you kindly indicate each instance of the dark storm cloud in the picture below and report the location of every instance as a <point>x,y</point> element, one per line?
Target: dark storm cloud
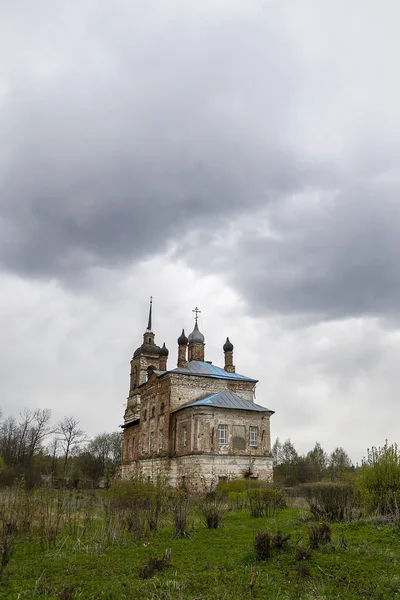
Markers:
<point>337,261</point>
<point>130,128</point>
<point>134,135</point>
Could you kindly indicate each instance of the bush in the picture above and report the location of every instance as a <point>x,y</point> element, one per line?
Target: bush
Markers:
<point>140,502</point>
<point>262,544</point>
<point>238,486</point>
<point>265,542</point>
<point>179,507</point>
<point>330,501</point>
<point>264,502</point>
<point>213,509</point>
<point>319,534</point>
<point>154,564</point>
<point>379,480</point>
<point>237,500</point>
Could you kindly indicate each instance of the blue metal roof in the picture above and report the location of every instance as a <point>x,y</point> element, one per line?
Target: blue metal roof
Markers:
<point>200,368</point>
<point>227,399</point>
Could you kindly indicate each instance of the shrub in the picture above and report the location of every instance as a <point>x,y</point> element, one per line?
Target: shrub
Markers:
<point>237,500</point>
<point>179,507</point>
<point>264,502</point>
<point>379,480</point>
<point>330,501</point>
<point>238,485</point>
<point>319,534</point>
<point>154,564</point>
<point>140,502</point>
<point>213,508</point>
<point>265,542</point>
<point>262,544</point>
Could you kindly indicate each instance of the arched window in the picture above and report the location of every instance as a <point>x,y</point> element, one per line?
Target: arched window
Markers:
<point>162,408</point>
<point>145,415</point>
<point>153,412</point>
<point>150,370</point>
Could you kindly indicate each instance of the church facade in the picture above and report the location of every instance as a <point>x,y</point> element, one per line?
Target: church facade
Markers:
<point>196,423</point>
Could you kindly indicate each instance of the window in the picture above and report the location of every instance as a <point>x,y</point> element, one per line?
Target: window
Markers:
<point>253,432</point>
<point>145,415</point>
<point>152,441</point>
<point>133,445</point>
<point>153,412</point>
<point>162,408</point>
<point>160,439</point>
<point>184,437</point>
<point>134,378</point>
<point>128,448</point>
<point>222,434</point>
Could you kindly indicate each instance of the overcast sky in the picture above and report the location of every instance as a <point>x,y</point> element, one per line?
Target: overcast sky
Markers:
<point>239,156</point>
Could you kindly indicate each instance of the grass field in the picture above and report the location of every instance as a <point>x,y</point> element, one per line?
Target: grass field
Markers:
<point>362,560</point>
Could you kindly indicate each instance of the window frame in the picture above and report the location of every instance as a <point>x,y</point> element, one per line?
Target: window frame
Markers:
<point>222,434</point>
<point>184,436</point>
<point>253,436</point>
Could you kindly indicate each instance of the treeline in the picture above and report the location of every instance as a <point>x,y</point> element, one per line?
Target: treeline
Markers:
<point>292,468</point>
<point>34,448</point>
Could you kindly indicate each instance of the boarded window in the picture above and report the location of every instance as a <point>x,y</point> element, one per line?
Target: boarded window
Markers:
<point>238,437</point>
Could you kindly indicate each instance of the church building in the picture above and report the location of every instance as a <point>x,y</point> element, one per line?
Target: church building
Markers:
<point>196,423</point>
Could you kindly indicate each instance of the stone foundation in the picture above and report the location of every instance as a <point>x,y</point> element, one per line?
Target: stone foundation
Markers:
<point>201,473</point>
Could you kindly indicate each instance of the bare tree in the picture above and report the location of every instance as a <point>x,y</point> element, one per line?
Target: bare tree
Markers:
<point>71,436</point>
<point>9,440</point>
<point>38,431</point>
<point>53,450</point>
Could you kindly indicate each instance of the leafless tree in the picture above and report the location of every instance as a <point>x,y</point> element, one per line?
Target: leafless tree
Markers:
<point>38,431</point>
<point>71,436</point>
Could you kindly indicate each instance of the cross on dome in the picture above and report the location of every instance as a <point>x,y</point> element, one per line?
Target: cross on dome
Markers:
<point>197,312</point>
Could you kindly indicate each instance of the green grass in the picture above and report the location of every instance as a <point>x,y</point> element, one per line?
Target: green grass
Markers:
<point>212,564</point>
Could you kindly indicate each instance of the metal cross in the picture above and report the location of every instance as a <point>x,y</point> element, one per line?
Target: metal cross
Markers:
<point>197,312</point>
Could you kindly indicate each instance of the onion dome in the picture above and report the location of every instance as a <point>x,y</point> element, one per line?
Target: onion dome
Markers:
<point>182,339</point>
<point>196,336</point>
<point>146,348</point>
<point>228,346</point>
<point>164,350</point>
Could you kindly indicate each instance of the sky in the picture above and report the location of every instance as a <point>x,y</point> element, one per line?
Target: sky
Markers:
<point>242,157</point>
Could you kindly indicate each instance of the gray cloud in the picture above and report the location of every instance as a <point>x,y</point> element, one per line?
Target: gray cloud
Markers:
<point>118,145</point>
<point>137,128</point>
<point>338,260</point>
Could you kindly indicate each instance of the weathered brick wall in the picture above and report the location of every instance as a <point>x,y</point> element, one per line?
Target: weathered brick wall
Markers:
<point>201,426</point>
<point>186,388</point>
<point>201,473</point>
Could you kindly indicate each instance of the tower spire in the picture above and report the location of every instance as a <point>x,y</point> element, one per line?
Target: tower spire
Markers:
<point>150,315</point>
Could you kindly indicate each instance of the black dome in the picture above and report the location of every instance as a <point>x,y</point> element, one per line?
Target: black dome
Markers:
<point>147,349</point>
<point>164,350</point>
<point>182,339</point>
<point>228,346</point>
